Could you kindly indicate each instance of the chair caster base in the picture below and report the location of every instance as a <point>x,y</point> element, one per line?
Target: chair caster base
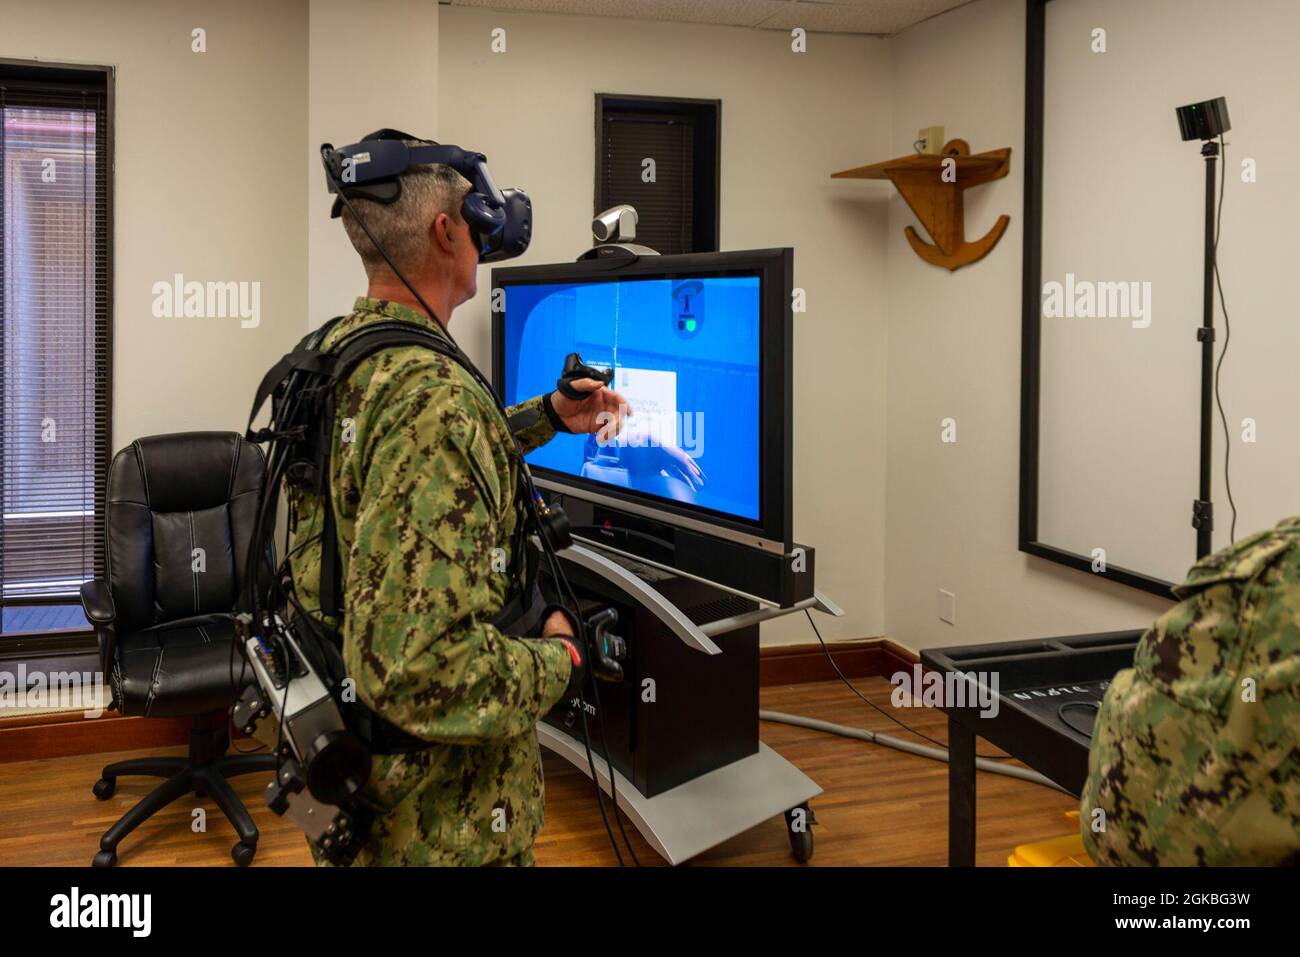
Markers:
<point>105,788</point>
<point>105,859</point>
<point>242,854</point>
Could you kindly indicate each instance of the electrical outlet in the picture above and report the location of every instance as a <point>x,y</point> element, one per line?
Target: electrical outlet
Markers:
<point>930,140</point>
<point>947,607</point>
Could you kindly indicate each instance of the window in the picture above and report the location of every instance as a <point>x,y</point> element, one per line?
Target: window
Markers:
<point>661,156</point>
<point>54,341</point>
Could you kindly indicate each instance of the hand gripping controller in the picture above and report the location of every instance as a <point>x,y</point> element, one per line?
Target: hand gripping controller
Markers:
<point>574,369</point>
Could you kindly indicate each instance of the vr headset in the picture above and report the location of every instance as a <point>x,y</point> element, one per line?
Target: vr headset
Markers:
<point>501,221</point>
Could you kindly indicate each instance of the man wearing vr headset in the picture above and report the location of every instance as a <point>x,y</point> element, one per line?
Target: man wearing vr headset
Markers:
<point>423,485</point>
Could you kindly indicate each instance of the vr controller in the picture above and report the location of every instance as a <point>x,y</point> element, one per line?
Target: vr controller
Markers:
<point>575,369</point>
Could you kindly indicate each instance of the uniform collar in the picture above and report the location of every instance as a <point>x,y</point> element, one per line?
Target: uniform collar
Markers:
<point>393,310</point>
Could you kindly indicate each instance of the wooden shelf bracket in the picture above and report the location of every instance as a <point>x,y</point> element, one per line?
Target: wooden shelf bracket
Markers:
<point>937,200</point>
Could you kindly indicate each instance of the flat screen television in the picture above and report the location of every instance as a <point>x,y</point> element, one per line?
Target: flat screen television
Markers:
<point>700,347</point>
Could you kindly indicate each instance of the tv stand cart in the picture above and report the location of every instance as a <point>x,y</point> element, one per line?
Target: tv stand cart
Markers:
<point>682,726</point>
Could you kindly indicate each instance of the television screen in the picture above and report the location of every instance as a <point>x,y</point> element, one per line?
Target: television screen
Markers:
<point>685,351</point>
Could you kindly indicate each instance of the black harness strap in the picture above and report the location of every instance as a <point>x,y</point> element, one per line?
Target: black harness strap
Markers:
<point>303,388</point>
<point>347,354</point>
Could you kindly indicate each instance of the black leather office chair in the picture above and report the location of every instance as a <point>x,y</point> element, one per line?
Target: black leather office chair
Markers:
<point>180,510</point>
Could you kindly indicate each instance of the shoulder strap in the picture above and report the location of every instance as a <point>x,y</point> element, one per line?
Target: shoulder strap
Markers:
<point>357,346</point>
<point>346,355</point>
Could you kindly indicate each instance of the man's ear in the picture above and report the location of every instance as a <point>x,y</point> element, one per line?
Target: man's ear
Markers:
<point>441,234</point>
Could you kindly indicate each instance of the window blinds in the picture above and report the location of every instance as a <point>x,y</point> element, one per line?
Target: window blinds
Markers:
<point>664,204</point>
<point>54,337</point>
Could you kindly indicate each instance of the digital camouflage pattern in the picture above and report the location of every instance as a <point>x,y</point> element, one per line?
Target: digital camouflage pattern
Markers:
<point>423,489</point>
<point>1195,756</point>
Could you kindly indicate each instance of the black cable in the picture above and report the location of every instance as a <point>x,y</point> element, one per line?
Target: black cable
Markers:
<point>562,582</point>
<point>1227,336</point>
<point>604,740</point>
<point>600,800</point>
<point>259,564</point>
<point>255,564</point>
<point>230,715</point>
<point>300,546</point>
<point>531,496</point>
<point>852,687</point>
<point>264,618</point>
<point>604,743</point>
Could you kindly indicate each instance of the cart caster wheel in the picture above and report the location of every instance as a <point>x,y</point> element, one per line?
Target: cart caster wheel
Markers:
<point>801,846</point>
<point>798,823</point>
<point>104,788</point>
<point>242,853</point>
<point>105,859</point>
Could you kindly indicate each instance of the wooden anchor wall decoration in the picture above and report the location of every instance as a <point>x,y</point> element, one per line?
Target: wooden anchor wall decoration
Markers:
<point>937,202</point>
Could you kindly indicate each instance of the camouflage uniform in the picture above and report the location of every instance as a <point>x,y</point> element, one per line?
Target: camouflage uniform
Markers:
<point>423,493</point>
<point>1196,753</point>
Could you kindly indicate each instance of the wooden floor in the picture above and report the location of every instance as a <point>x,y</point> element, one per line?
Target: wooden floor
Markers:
<point>880,806</point>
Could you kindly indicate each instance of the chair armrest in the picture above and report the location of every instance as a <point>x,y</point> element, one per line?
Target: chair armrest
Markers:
<point>101,611</point>
<point>97,603</point>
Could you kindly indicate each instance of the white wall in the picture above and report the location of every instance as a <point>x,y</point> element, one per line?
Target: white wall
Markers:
<point>954,350</point>
<point>788,121</point>
<point>208,183</point>
<point>373,65</point>
<point>894,513</point>
<point>1125,202</point>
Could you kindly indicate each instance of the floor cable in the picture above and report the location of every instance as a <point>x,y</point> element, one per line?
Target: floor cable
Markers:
<point>889,741</point>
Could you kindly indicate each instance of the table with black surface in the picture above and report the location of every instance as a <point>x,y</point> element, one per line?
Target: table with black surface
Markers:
<point>1033,680</point>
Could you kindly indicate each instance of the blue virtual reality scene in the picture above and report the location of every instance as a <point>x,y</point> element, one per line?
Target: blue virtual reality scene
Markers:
<point>685,355</point>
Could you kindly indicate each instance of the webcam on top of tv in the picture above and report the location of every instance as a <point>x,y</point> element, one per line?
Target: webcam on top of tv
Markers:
<point>614,230</point>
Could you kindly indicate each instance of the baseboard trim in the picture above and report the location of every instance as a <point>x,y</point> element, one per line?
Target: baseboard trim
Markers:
<point>60,735</point>
<point>866,658</point>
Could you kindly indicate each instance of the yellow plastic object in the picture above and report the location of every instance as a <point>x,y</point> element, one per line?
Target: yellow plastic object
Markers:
<point>1064,851</point>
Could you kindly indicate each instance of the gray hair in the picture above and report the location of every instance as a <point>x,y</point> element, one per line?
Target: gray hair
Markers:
<point>402,228</point>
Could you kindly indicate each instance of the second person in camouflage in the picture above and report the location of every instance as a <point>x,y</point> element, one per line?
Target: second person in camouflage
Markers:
<point>1195,756</point>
